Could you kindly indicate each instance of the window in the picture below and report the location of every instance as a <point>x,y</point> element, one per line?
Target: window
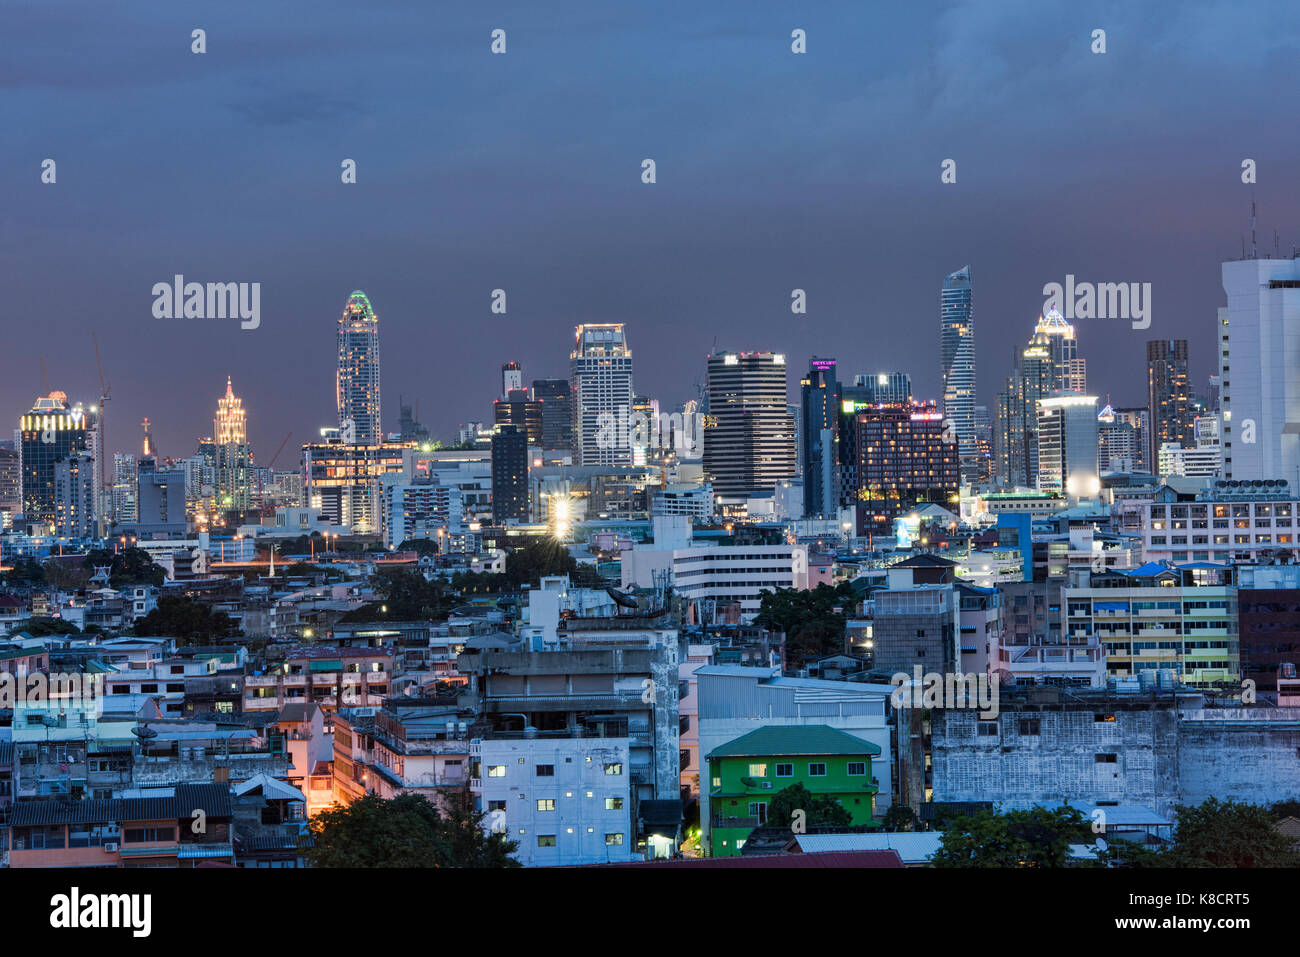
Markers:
<point>1099,717</point>
<point>613,840</point>
<point>615,768</point>
<point>758,770</point>
<point>546,770</point>
<point>613,804</point>
<point>496,805</point>
<point>1029,726</point>
<point>146,835</point>
<point>816,769</point>
<point>988,729</point>
<point>758,811</point>
<point>546,804</point>
<point>785,770</point>
<point>857,769</point>
<point>717,783</point>
<point>1107,758</point>
<point>496,770</point>
<point>545,840</point>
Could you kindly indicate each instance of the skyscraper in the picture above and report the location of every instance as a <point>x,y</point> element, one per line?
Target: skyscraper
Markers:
<point>51,432</point>
<point>518,408</point>
<point>510,475</point>
<point>1049,363</point>
<point>1067,445</point>
<point>1260,385</point>
<point>557,418</point>
<point>600,382</point>
<point>358,372</point>
<point>820,411</point>
<point>233,457</point>
<point>749,435</point>
<point>1169,396</point>
<point>957,349</point>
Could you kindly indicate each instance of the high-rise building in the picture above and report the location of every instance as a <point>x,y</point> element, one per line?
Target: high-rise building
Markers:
<point>600,382</point>
<point>232,455</point>
<point>1049,363</point>
<point>409,428</point>
<point>883,388</point>
<point>160,498</point>
<point>74,497</point>
<point>557,421</point>
<point>510,475</point>
<point>749,435</point>
<point>1169,395</point>
<point>11,496</point>
<point>903,458</point>
<point>122,501</point>
<point>358,373</point>
<point>1260,377</point>
<point>512,378</point>
<point>819,433</point>
<point>51,432</point>
<point>957,348</point>
<point>1121,440</point>
<point>518,408</point>
<point>1067,445</point>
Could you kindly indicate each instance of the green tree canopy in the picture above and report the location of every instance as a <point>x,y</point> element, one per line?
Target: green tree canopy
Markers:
<point>1215,834</point>
<point>807,616</point>
<point>131,566</point>
<point>817,808</point>
<point>1035,838</point>
<point>408,831</point>
<point>179,617</point>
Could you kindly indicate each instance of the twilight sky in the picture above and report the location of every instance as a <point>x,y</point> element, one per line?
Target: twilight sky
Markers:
<point>523,171</point>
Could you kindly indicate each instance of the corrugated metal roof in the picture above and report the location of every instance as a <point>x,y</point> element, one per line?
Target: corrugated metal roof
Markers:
<point>212,799</point>
<point>815,739</point>
<point>912,846</point>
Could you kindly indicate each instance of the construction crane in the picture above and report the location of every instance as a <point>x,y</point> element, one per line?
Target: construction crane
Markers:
<point>103,441</point>
<point>270,465</point>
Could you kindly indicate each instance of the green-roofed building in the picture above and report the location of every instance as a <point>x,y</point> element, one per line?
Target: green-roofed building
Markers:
<point>745,774</point>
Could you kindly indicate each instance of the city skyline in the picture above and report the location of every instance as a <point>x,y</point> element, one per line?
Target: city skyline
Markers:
<point>539,201</point>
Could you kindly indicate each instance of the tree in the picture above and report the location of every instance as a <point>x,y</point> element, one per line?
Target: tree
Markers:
<point>408,831</point>
<point>812,626</point>
<point>817,808</point>
<point>131,566</point>
<point>27,571</point>
<point>40,627</point>
<point>1040,837</point>
<point>900,817</point>
<point>1217,834</point>
<point>180,617</point>
<point>421,546</point>
<point>408,596</point>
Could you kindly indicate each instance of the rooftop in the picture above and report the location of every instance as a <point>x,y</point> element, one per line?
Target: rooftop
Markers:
<point>779,740</point>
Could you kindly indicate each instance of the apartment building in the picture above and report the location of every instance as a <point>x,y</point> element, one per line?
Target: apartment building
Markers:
<point>1180,619</point>
<point>567,799</point>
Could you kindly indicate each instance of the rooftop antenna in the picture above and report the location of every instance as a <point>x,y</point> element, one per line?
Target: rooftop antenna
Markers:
<point>1276,253</point>
<point>1254,252</point>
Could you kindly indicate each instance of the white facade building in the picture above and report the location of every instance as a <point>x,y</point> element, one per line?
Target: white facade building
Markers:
<point>566,800</point>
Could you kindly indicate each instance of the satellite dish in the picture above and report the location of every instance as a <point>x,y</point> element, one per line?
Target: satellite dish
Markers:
<point>1101,845</point>
<point>144,732</point>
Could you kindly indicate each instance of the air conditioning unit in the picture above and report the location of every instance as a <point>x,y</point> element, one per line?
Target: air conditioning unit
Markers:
<point>110,848</point>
